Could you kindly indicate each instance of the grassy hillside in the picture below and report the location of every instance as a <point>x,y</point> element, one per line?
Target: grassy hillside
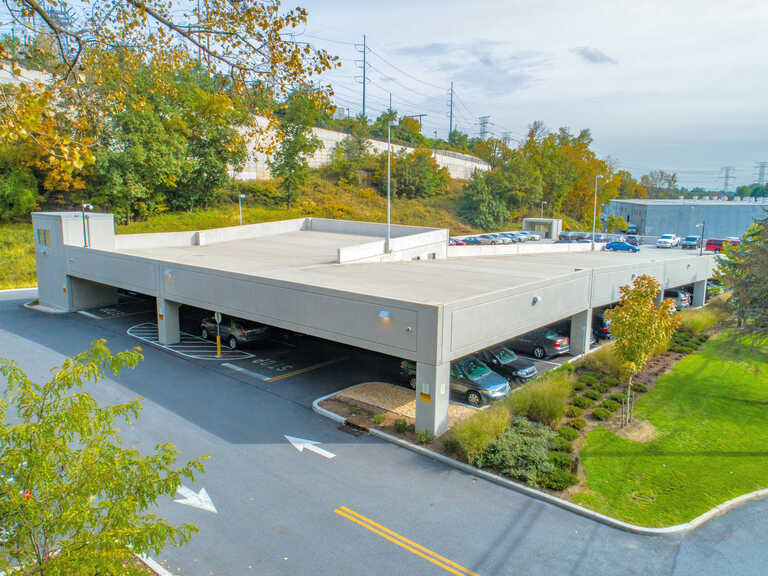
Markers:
<point>17,255</point>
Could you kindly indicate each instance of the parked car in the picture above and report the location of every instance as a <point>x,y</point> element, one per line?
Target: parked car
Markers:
<point>633,239</point>
<point>492,239</point>
<point>530,235</point>
<point>505,362</point>
<point>601,326</point>
<point>714,287</point>
<point>473,241</point>
<point>501,238</point>
<point>234,331</point>
<point>681,297</point>
<point>540,343</point>
<point>619,246</point>
<point>513,236</point>
<point>582,237</point>
<point>690,242</point>
<point>470,378</point>
<point>600,237</point>
<point>667,241</point>
<point>716,244</point>
<point>567,237</point>
<point>631,229</point>
<point>456,242</point>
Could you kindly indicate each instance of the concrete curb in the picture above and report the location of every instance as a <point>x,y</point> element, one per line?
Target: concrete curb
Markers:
<point>545,497</point>
<point>43,309</point>
<point>154,566</point>
<point>17,289</point>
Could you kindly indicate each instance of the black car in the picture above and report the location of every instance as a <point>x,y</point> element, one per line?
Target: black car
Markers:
<point>601,326</point>
<point>633,239</point>
<point>540,343</point>
<point>505,362</point>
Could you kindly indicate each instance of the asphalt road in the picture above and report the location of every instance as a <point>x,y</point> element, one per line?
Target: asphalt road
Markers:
<point>279,511</point>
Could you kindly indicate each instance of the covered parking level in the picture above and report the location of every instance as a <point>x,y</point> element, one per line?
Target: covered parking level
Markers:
<point>335,280</point>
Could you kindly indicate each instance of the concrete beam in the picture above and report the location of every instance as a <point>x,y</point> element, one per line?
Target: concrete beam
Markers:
<point>84,294</point>
<point>168,329</point>
<point>581,329</point>
<point>432,394</point>
<point>699,293</point>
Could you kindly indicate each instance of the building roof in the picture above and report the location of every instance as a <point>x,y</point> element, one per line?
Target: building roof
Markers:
<point>747,201</point>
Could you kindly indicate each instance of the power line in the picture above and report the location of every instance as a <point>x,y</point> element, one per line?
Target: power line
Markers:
<point>417,79</point>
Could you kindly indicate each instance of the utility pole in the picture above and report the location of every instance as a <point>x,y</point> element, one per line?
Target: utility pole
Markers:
<point>435,143</point>
<point>364,49</point>
<point>483,121</point>
<point>450,113</point>
<point>390,103</point>
<point>347,120</point>
<point>727,173</point>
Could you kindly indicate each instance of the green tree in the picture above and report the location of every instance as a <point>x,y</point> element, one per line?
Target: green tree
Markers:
<point>480,207</point>
<point>414,175</point>
<point>639,327</point>
<point>745,271</point>
<point>615,223</point>
<point>18,194</point>
<point>298,142</point>
<point>73,499</point>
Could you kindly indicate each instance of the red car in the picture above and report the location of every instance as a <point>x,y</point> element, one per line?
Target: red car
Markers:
<point>716,244</point>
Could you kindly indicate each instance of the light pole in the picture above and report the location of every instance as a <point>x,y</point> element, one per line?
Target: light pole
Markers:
<point>701,238</point>
<point>240,198</point>
<point>85,207</point>
<point>389,182</point>
<point>594,212</point>
<point>543,203</point>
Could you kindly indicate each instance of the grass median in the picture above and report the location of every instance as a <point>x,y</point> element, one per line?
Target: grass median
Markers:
<point>710,414</point>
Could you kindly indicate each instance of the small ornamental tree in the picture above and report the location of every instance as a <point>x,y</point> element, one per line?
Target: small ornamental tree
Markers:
<point>73,500</point>
<point>640,327</point>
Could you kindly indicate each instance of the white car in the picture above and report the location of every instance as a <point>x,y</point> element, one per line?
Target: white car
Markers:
<point>667,241</point>
<point>530,235</point>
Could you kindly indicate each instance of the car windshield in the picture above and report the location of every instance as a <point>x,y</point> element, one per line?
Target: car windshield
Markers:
<point>505,356</point>
<point>667,236</point>
<point>551,334</point>
<point>474,368</point>
<point>691,238</point>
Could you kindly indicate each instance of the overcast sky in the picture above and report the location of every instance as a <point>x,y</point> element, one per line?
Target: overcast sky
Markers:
<point>679,85</point>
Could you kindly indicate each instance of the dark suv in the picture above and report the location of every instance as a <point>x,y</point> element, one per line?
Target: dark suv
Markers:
<point>505,362</point>
<point>234,331</point>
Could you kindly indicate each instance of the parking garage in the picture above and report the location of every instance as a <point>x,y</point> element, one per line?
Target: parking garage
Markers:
<point>345,283</point>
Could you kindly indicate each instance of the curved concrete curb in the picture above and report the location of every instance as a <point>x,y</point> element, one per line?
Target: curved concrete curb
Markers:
<point>44,309</point>
<point>545,497</point>
<point>17,289</point>
<point>154,566</point>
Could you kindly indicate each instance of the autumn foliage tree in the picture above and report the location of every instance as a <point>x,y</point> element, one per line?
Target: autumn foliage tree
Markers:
<point>73,499</point>
<point>640,327</point>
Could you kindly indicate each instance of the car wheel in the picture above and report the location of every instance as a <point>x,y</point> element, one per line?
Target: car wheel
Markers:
<point>204,334</point>
<point>232,342</point>
<point>539,352</point>
<point>474,399</point>
<point>412,382</point>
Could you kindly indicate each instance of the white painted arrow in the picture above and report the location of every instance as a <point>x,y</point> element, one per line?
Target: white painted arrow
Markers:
<point>300,444</point>
<point>199,500</point>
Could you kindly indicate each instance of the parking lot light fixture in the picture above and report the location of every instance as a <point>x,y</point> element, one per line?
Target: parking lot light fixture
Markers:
<point>594,211</point>
<point>240,198</point>
<point>701,238</point>
<point>85,206</point>
<point>543,203</point>
<point>390,124</point>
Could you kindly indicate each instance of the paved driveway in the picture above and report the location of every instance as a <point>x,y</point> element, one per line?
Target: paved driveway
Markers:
<point>374,508</point>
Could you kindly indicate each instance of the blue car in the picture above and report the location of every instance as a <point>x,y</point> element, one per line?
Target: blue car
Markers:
<point>621,247</point>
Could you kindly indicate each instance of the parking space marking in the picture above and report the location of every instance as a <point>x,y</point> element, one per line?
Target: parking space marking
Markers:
<point>191,346</point>
<point>403,542</point>
<point>307,369</point>
<point>534,359</point>
<point>245,371</point>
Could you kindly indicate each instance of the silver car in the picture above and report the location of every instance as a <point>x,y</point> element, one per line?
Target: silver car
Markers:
<point>234,331</point>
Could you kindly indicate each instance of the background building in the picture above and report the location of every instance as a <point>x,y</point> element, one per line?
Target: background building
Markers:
<point>722,218</point>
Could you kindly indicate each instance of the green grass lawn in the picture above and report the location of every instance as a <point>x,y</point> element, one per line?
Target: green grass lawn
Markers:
<point>711,414</point>
<point>17,256</point>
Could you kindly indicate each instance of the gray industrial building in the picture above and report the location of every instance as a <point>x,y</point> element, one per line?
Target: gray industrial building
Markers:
<point>411,298</point>
<point>722,218</point>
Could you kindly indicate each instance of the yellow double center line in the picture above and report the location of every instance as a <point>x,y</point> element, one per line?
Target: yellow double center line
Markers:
<point>403,542</point>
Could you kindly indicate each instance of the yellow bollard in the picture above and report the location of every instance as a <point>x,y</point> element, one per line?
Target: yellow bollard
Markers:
<point>218,346</point>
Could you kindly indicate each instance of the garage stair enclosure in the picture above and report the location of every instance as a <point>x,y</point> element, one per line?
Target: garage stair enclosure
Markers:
<point>333,279</point>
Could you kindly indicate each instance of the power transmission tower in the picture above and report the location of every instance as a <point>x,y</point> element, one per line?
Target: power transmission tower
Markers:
<point>761,166</point>
<point>364,49</point>
<point>483,122</point>
<point>506,137</point>
<point>450,112</point>
<point>727,173</point>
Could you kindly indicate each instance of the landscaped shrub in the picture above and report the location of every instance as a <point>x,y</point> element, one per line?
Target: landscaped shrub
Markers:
<point>543,400</point>
<point>472,436</point>
<point>593,394</point>
<point>640,388</point>
<point>696,320</point>
<point>573,411</point>
<point>618,397</point>
<point>602,386</point>
<point>401,425</point>
<point>578,386</point>
<point>568,433</point>
<point>559,444</point>
<point>558,479</point>
<point>601,414</point>
<point>588,380</point>
<point>561,460</point>
<point>611,381</point>
<point>582,402</point>
<point>521,452</point>
<point>577,423</point>
<point>591,374</point>
<point>603,360</point>
<point>424,437</point>
<point>379,418</point>
<point>610,405</point>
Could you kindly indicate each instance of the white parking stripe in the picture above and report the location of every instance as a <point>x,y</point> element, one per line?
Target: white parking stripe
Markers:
<point>191,346</point>
<point>244,371</point>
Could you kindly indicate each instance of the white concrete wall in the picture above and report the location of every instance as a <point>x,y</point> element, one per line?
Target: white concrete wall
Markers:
<point>426,245</point>
<point>155,240</point>
<point>215,235</point>
<point>530,247</point>
<point>460,166</point>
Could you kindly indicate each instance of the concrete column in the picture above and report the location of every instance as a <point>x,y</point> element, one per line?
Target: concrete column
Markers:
<point>168,331</point>
<point>581,329</point>
<point>659,297</point>
<point>699,293</point>
<point>432,395</point>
